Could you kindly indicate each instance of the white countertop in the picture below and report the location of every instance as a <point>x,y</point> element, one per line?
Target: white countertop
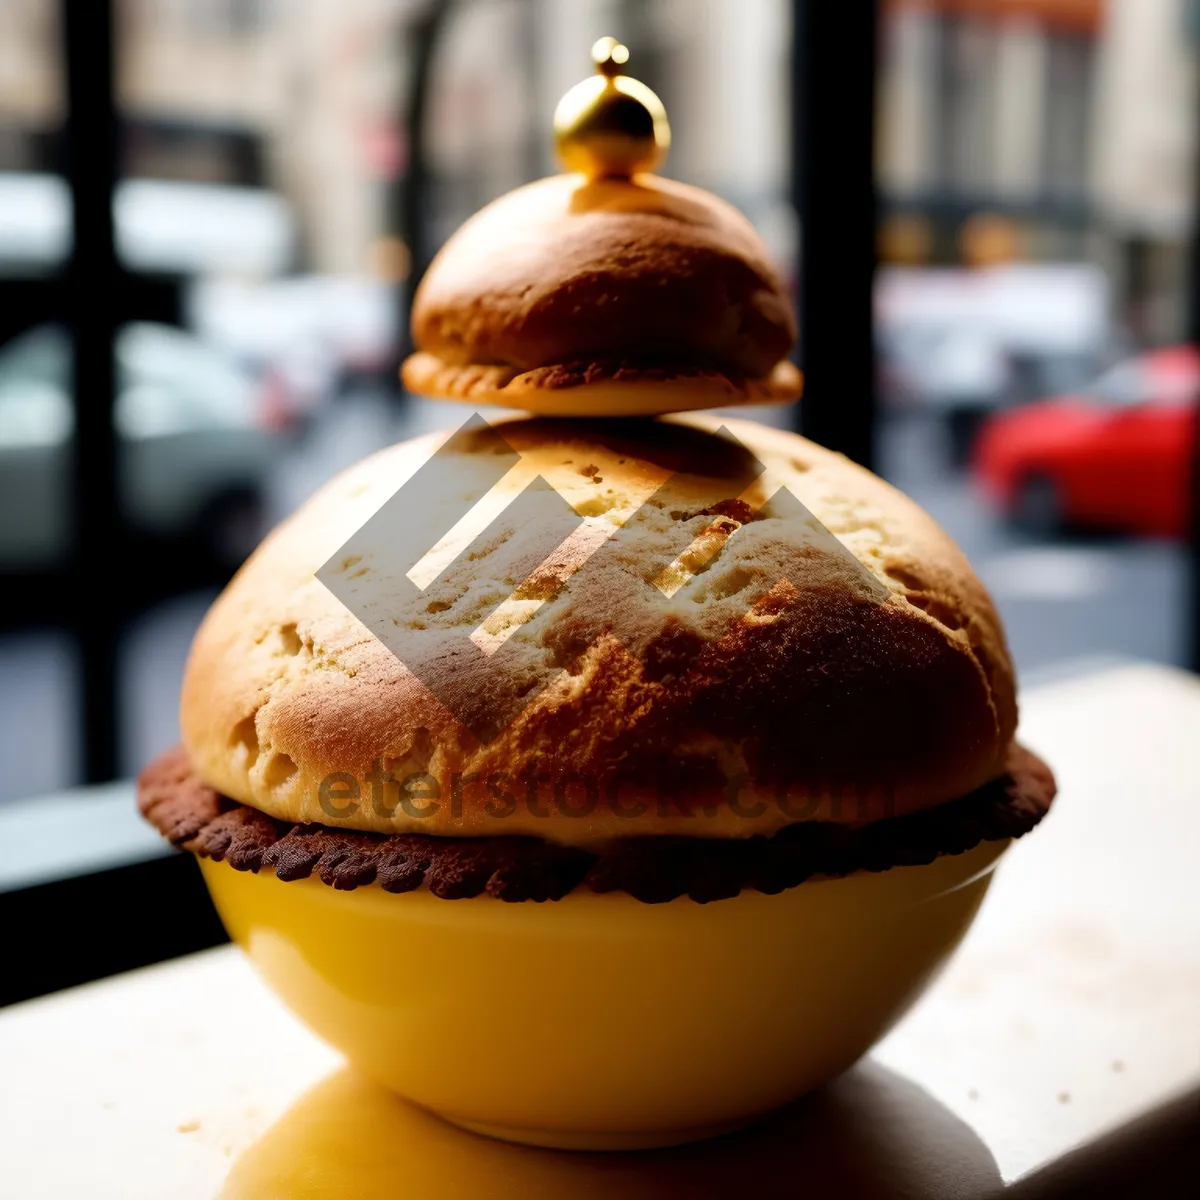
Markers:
<point>1071,1007</point>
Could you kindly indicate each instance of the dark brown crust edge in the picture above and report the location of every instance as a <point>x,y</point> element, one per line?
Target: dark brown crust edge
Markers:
<point>652,869</point>
<point>426,372</point>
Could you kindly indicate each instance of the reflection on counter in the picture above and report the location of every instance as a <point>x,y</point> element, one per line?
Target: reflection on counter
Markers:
<point>871,1134</point>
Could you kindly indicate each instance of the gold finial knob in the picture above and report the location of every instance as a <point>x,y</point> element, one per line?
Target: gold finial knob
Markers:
<point>611,125</point>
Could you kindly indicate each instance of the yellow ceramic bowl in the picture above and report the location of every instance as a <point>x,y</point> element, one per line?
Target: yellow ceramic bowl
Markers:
<point>600,1022</point>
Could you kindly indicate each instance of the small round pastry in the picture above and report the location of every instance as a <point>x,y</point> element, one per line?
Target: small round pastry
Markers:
<point>608,291</point>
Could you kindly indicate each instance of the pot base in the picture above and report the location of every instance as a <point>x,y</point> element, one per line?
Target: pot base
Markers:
<point>577,1139</point>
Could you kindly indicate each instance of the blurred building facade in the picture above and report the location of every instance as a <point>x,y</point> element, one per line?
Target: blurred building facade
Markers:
<point>308,86</point>
<point>304,97</point>
<point>298,96</point>
<point>1048,129</point>
<point>1071,123</point>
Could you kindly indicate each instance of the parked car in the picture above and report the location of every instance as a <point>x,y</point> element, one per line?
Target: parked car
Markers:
<point>962,343</point>
<point>1115,455</point>
<point>172,226</point>
<point>318,335</point>
<point>196,437</point>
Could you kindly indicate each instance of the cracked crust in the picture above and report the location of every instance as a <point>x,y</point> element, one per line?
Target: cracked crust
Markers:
<point>891,686</point>
<point>656,869</point>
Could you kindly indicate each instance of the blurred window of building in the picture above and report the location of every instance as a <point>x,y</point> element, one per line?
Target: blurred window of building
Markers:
<point>31,86</point>
<point>908,99</point>
<point>1070,59</point>
<point>1142,173</point>
<point>967,71</point>
<point>481,109</point>
<point>1021,88</point>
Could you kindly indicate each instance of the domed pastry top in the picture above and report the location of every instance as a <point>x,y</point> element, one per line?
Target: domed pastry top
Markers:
<point>609,291</point>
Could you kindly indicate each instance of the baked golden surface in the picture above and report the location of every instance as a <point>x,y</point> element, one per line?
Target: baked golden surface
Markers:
<point>874,682</point>
<point>547,292</point>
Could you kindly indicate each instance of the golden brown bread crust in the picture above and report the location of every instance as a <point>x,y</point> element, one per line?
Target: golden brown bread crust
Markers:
<point>565,271</point>
<point>599,388</point>
<point>825,703</point>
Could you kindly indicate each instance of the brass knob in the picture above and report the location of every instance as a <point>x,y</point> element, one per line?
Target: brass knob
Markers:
<point>611,125</point>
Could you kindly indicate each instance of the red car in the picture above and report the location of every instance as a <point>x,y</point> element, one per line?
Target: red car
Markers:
<point>1118,455</point>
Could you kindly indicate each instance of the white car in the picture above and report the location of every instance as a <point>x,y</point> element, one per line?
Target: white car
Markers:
<point>196,439</point>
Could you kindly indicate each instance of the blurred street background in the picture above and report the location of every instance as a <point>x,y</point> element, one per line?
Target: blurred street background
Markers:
<point>1036,175</point>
